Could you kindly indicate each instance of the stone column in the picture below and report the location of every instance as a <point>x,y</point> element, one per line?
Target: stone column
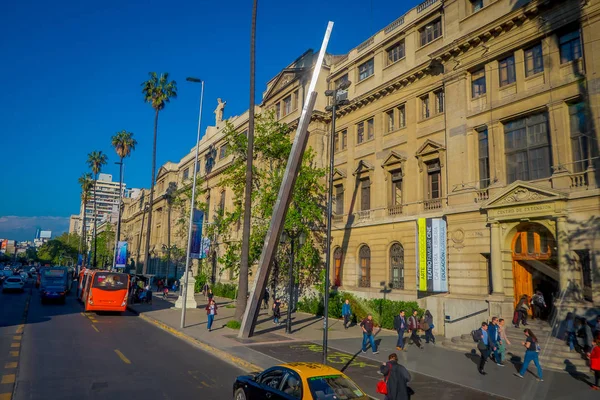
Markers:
<point>190,301</point>
<point>496,260</point>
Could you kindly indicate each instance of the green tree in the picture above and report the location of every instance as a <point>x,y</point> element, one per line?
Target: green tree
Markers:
<point>104,244</point>
<point>86,184</point>
<point>158,91</point>
<point>96,160</point>
<point>60,250</point>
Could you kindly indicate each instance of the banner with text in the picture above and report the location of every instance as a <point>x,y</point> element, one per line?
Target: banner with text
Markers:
<point>431,255</point>
<point>196,250</point>
<point>121,254</point>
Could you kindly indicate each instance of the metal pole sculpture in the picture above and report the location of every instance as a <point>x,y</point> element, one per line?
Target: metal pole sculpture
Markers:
<point>283,198</point>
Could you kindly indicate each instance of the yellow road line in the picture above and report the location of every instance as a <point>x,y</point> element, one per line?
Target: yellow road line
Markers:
<point>96,329</point>
<point>122,356</point>
<point>12,364</point>
<point>14,353</point>
<point>10,378</point>
<point>83,314</point>
<point>17,337</point>
<point>17,344</point>
<point>20,329</point>
<point>5,396</point>
<point>94,320</point>
<point>205,384</point>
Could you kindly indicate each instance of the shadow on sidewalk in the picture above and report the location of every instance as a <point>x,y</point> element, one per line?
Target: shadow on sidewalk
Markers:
<point>312,320</point>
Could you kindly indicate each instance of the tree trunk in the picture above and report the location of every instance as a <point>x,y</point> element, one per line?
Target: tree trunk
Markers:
<point>118,234</point>
<point>95,223</point>
<point>242,297</point>
<point>151,201</point>
<point>84,238</point>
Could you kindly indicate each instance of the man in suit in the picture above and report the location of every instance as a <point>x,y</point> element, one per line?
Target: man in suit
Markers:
<point>495,341</point>
<point>400,327</point>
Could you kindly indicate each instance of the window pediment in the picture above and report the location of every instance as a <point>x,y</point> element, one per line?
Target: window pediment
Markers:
<point>394,161</point>
<point>338,175</point>
<point>364,167</point>
<point>520,192</point>
<point>429,151</point>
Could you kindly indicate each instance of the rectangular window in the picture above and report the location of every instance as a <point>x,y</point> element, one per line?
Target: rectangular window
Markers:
<point>366,69</point>
<point>360,132</point>
<point>365,194</point>
<point>425,107</point>
<point>389,121</point>
<point>402,116</point>
<point>186,174</point>
<point>439,101</point>
<point>527,148</point>
<point>478,83</point>
<point>223,151</point>
<point>336,142</point>
<point>338,82</point>
<point>287,105</point>
<point>277,113</point>
<point>570,47</point>
<point>579,138</point>
<point>222,201</point>
<point>476,5</point>
<point>484,160</point>
<point>506,67</point>
<point>396,187</point>
<point>344,142</point>
<point>534,60</point>
<point>434,173</point>
<point>431,31</point>
<point>296,100</point>
<point>339,200</point>
<point>370,129</point>
<point>395,53</point>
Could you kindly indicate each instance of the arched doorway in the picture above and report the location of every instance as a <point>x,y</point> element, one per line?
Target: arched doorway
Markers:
<point>534,262</point>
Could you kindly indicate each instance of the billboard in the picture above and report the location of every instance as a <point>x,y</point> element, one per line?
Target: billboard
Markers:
<point>121,260</point>
<point>196,248</point>
<point>432,274</point>
<point>45,234</point>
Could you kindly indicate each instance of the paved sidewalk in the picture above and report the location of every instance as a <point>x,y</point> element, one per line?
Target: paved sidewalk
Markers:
<point>437,372</point>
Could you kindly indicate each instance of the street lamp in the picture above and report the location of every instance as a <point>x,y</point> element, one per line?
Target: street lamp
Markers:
<point>339,98</point>
<point>192,203</point>
<point>290,238</point>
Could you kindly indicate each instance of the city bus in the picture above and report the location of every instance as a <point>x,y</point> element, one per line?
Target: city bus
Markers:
<point>104,290</point>
<point>54,283</point>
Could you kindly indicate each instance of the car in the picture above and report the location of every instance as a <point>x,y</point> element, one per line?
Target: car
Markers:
<point>13,283</point>
<point>297,381</point>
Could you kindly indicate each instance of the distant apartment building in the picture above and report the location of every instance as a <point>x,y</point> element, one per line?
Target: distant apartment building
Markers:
<point>75,224</point>
<point>107,202</point>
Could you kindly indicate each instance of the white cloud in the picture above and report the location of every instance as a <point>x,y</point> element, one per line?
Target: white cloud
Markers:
<point>23,228</point>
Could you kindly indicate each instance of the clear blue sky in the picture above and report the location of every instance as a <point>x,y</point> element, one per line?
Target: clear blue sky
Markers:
<point>72,72</point>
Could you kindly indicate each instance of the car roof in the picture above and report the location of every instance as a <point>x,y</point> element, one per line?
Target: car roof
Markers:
<point>309,370</point>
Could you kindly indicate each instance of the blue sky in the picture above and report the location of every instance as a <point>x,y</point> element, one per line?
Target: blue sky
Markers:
<point>72,72</point>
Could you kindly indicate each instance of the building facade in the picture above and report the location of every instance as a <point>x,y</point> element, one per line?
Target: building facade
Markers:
<point>75,224</point>
<point>107,203</point>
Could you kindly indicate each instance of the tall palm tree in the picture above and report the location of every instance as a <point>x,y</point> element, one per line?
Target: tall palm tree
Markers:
<point>96,160</point>
<point>157,91</point>
<point>124,144</point>
<point>85,181</point>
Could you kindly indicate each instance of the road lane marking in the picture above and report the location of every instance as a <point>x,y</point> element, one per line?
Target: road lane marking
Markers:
<point>20,329</point>
<point>205,384</point>
<point>15,344</point>
<point>96,329</point>
<point>83,314</point>
<point>11,364</point>
<point>14,353</point>
<point>122,356</point>
<point>10,378</point>
<point>17,337</point>
<point>5,396</point>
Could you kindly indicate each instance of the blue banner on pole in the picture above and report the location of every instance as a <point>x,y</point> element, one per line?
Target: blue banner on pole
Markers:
<point>121,254</point>
<point>196,245</point>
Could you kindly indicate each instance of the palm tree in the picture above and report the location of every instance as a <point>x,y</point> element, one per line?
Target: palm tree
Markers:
<point>85,181</point>
<point>157,91</point>
<point>124,144</point>
<point>96,160</point>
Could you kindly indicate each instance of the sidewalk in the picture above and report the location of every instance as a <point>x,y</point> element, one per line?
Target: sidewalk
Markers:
<point>434,368</point>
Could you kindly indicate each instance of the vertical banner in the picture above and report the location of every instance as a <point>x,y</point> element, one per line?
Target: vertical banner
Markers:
<point>196,250</point>
<point>431,255</point>
<point>121,254</point>
<point>205,248</point>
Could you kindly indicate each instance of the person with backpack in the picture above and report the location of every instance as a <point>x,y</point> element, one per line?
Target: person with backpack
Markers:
<point>532,349</point>
<point>400,327</point>
<point>413,327</point>
<point>396,379</point>
<point>276,311</point>
<point>427,326</point>
<point>539,304</point>
<point>483,345</point>
<point>346,313</point>
<point>594,357</point>
<point>495,340</point>
<point>521,311</point>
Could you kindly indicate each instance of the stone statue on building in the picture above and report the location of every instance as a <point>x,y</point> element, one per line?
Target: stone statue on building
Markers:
<point>219,111</point>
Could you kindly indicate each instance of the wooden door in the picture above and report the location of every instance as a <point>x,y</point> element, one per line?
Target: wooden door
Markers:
<point>523,281</point>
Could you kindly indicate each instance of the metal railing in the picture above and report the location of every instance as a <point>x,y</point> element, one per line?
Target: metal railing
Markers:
<point>425,4</point>
<point>364,282</point>
<point>451,321</point>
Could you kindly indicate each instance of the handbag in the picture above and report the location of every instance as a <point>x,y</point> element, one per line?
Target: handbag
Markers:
<point>382,384</point>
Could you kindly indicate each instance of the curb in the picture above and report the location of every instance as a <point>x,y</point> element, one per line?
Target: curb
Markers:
<point>239,362</point>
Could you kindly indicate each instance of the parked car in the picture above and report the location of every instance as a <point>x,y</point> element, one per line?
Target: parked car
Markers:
<point>301,380</point>
<point>13,283</point>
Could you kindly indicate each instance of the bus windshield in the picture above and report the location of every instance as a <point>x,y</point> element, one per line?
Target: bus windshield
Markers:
<point>54,275</point>
<point>110,281</point>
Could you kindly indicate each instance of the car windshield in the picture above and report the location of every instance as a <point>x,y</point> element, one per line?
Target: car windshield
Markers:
<point>13,280</point>
<point>333,387</point>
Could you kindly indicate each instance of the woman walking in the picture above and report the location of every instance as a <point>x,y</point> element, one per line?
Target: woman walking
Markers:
<point>211,311</point>
<point>396,378</point>
<point>521,311</point>
<point>532,349</point>
<point>594,357</point>
<point>427,326</point>
<point>503,339</point>
<point>276,311</point>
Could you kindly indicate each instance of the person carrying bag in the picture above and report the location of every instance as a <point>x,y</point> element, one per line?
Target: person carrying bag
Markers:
<point>395,384</point>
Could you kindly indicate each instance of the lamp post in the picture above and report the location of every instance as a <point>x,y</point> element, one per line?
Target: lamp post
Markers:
<point>339,97</point>
<point>192,203</point>
<point>114,264</point>
<point>291,238</point>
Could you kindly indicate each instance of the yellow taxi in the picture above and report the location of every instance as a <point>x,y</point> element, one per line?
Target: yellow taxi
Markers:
<point>297,381</point>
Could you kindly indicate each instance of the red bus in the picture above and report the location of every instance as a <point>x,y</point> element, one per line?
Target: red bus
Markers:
<point>104,290</point>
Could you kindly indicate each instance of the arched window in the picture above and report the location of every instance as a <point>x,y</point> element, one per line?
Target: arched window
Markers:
<point>534,242</point>
<point>337,265</point>
<point>397,266</point>
<point>364,256</point>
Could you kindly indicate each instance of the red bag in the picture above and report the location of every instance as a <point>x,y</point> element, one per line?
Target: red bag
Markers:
<point>515,318</point>
<point>382,384</point>
<point>595,359</point>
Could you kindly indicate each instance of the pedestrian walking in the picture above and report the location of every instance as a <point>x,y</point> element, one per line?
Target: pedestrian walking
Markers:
<point>396,378</point>
<point>532,349</point>
<point>400,326</point>
<point>413,327</point>
<point>585,335</point>
<point>570,334</point>
<point>597,327</point>
<point>205,289</point>
<point>427,326</point>
<point>165,293</point>
<point>504,338</point>
<point>276,311</point>
<point>483,345</point>
<point>367,325</point>
<point>346,313</point>
<point>159,285</point>
<point>211,311</point>
<point>594,357</point>
<point>210,295</point>
<point>266,300</point>
<point>521,311</point>
<point>539,305</point>
<point>495,341</point>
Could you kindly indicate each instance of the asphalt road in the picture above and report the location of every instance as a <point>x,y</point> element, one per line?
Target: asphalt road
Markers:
<point>66,354</point>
